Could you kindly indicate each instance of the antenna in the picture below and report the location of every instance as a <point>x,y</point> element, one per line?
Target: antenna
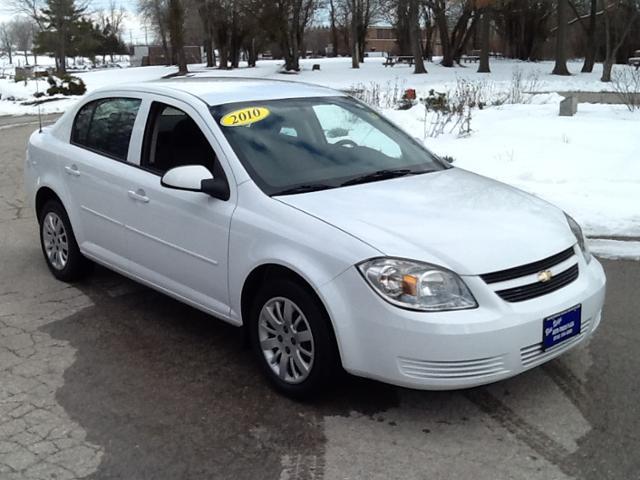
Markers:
<point>35,76</point>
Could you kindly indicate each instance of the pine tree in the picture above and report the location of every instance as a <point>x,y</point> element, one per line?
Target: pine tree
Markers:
<point>60,18</point>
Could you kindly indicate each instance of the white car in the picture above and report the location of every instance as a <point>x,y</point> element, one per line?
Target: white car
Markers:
<point>329,234</point>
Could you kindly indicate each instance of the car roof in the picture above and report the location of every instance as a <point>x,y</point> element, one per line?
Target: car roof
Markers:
<point>221,90</point>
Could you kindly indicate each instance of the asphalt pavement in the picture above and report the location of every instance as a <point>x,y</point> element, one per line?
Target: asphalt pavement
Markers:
<point>107,379</point>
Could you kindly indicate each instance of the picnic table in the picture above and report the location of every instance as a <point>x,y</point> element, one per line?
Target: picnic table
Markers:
<point>473,57</point>
<point>392,60</point>
<point>635,60</point>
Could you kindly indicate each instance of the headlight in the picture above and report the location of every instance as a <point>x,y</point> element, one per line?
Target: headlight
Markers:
<point>577,231</point>
<point>417,285</point>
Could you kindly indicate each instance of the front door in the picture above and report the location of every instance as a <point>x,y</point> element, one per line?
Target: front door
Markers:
<point>178,240</point>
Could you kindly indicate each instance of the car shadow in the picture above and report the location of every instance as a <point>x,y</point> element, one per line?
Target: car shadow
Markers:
<point>170,392</point>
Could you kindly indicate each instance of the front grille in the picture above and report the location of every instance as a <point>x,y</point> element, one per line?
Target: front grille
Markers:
<point>533,290</point>
<point>528,269</point>
<point>450,370</point>
<point>535,354</point>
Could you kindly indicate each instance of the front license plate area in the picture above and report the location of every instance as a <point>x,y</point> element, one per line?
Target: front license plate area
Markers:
<point>561,327</point>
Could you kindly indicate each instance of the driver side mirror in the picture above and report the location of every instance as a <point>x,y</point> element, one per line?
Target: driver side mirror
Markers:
<point>195,178</point>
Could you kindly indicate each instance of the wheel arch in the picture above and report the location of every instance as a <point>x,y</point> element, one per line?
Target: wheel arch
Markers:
<point>260,275</point>
<point>43,195</point>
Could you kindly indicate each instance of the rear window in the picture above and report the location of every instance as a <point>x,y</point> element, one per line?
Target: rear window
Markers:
<point>105,126</point>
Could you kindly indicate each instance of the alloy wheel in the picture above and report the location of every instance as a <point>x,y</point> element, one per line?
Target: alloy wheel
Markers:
<point>286,340</point>
<point>55,241</point>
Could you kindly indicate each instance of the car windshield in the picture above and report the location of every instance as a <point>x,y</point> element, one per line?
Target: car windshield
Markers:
<point>301,145</point>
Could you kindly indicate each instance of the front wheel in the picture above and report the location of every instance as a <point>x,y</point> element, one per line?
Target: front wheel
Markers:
<point>292,339</point>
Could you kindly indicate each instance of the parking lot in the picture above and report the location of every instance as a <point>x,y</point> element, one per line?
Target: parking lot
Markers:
<point>109,379</point>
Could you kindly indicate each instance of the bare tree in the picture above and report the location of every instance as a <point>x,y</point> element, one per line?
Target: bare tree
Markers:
<point>287,21</point>
<point>205,10</point>
<point>113,17</point>
<point>7,40</point>
<point>22,30</point>
<point>462,16</point>
<point>360,13</point>
<point>155,13</point>
<point>524,26</point>
<point>29,8</point>
<point>625,15</point>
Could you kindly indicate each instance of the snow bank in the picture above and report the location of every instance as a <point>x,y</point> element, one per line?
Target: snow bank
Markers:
<point>615,249</point>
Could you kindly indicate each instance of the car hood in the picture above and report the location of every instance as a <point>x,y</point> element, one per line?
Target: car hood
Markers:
<point>453,218</point>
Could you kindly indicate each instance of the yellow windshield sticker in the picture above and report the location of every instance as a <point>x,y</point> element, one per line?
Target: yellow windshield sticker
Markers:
<point>244,116</point>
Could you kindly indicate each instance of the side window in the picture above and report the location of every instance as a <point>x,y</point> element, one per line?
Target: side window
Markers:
<point>105,126</point>
<point>173,139</point>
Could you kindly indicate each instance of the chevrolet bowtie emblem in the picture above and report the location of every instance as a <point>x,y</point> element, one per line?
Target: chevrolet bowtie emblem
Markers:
<point>545,276</point>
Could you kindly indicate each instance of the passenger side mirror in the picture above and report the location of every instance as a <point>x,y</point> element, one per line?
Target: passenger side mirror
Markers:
<point>195,178</point>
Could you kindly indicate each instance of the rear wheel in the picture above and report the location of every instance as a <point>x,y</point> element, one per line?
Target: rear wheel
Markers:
<point>59,245</point>
<point>291,338</point>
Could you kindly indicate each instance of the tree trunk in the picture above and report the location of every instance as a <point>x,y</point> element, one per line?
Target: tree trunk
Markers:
<point>176,31</point>
<point>253,53</point>
<point>361,46</point>
<point>427,51</point>
<point>208,48</point>
<point>224,56</point>
<point>560,67</point>
<point>443,30</point>
<point>355,49</point>
<point>485,31</point>
<point>416,45</point>
<point>590,54</point>
<point>334,29</point>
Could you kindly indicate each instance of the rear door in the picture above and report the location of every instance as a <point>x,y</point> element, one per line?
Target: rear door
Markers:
<point>95,164</point>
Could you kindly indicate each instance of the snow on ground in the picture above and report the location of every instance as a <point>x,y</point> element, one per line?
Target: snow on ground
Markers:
<point>615,249</point>
<point>588,164</point>
<point>337,73</point>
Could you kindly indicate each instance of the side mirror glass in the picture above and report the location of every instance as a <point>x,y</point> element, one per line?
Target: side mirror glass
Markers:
<point>195,178</point>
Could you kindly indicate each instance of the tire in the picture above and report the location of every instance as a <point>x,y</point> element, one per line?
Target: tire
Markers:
<point>306,330</point>
<point>59,245</point>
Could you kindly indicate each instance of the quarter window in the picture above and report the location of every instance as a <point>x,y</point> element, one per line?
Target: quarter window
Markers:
<point>105,126</point>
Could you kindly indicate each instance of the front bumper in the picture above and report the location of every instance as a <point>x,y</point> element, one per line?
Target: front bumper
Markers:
<point>459,349</point>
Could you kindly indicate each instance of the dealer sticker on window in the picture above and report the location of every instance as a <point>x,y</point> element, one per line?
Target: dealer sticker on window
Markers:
<point>244,116</point>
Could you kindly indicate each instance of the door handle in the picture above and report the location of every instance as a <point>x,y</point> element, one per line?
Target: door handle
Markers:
<point>139,195</point>
<point>72,170</point>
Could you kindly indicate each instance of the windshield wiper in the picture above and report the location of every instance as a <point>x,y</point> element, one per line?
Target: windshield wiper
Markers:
<point>312,187</point>
<point>379,175</point>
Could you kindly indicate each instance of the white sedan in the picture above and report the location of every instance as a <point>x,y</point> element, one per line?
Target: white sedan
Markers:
<point>329,234</point>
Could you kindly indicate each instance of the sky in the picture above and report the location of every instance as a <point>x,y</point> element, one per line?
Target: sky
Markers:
<point>134,29</point>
